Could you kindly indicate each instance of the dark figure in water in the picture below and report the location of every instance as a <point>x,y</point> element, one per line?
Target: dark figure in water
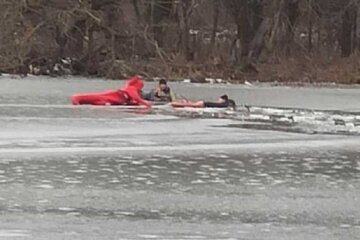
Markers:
<point>162,93</point>
<point>222,102</point>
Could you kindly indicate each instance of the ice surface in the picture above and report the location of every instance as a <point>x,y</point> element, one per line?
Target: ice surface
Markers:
<point>286,170</point>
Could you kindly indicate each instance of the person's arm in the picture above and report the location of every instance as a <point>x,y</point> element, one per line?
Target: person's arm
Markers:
<point>133,93</point>
<point>157,94</point>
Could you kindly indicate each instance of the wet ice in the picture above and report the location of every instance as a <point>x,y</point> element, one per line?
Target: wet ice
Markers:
<point>106,172</point>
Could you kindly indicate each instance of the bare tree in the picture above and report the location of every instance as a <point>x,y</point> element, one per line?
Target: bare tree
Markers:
<point>119,37</point>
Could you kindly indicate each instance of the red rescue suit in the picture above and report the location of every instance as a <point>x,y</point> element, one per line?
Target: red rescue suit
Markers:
<point>127,95</point>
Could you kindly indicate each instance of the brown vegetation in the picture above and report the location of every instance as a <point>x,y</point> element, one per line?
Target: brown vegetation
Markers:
<point>280,40</point>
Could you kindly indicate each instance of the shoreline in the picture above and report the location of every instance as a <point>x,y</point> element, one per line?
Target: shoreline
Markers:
<point>208,81</point>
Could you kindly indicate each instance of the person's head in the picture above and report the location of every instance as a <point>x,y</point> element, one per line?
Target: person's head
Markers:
<point>136,82</point>
<point>163,84</point>
<point>224,98</point>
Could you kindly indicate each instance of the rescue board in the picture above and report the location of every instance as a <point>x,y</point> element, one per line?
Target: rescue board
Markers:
<point>185,105</point>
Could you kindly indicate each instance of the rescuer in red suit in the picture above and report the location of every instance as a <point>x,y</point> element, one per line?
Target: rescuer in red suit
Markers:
<point>130,94</point>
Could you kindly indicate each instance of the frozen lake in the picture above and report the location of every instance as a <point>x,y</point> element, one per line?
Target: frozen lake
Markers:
<point>289,169</point>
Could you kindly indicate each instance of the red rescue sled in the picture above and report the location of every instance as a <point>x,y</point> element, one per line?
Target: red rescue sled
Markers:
<point>187,104</point>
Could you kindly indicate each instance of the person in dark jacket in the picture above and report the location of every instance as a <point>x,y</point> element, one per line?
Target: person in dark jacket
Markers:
<point>222,102</point>
<point>162,93</point>
<point>130,94</point>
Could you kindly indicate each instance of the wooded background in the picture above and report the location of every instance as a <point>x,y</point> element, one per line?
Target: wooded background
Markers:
<point>278,40</point>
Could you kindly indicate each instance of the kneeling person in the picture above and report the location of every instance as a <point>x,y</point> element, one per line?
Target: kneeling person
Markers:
<point>162,93</point>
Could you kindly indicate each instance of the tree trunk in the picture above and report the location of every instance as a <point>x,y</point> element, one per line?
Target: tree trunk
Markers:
<point>258,42</point>
<point>184,31</point>
<point>310,25</point>
<point>61,40</point>
<point>348,22</point>
<point>185,10</point>
<point>248,16</point>
<point>135,4</point>
<point>216,5</point>
<point>257,9</point>
<point>90,54</point>
<point>292,13</point>
<point>358,27</point>
<point>244,29</point>
<point>159,12</point>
